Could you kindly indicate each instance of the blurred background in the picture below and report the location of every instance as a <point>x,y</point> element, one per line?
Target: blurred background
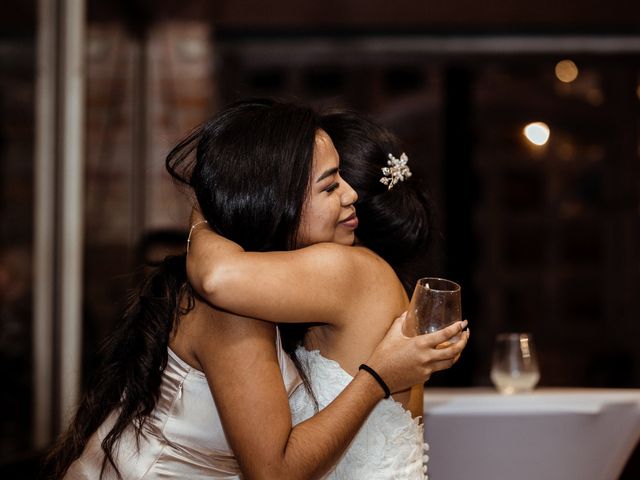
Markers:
<point>542,229</point>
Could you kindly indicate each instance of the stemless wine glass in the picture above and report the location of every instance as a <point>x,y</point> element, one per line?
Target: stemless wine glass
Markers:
<point>435,304</point>
<point>515,366</point>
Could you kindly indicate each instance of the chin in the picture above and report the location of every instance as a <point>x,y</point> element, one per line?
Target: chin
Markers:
<point>347,241</point>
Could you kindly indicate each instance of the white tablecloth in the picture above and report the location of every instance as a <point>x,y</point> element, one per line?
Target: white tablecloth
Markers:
<point>551,434</point>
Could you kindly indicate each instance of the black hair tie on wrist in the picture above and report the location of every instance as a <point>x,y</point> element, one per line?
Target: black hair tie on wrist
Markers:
<point>378,378</point>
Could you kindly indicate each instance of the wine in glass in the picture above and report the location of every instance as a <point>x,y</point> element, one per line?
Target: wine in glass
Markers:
<point>514,368</point>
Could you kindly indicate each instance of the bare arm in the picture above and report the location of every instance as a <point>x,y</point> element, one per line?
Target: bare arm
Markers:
<point>312,284</point>
<point>240,361</point>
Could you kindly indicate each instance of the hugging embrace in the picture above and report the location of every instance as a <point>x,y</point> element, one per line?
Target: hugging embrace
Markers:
<point>275,347</point>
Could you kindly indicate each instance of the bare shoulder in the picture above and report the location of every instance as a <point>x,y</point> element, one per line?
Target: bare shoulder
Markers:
<point>349,258</point>
<point>372,281</point>
<point>205,330</point>
<point>376,298</point>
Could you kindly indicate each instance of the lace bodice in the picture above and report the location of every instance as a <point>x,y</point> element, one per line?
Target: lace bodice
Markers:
<point>390,444</point>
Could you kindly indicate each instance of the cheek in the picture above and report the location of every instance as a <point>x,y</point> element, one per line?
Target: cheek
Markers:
<point>319,225</point>
<point>310,230</point>
<point>319,221</point>
<point>329,215</point>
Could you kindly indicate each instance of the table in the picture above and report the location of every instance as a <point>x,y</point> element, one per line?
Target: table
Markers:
<point>550,434</point>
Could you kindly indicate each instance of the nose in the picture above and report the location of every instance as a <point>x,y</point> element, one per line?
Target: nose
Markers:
<point>348,196</point>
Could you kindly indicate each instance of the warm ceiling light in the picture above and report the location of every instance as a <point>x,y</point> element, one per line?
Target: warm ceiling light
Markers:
<point>537,133</point>
<point>566,71</point>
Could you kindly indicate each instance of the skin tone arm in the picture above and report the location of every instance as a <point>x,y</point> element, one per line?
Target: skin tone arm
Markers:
<point>239,358</point>
<point>319,283</point>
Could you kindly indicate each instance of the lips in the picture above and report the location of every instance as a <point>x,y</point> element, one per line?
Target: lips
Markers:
<point>351,221</point>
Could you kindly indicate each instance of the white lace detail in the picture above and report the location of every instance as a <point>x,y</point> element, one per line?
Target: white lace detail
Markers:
<point>390,444</point>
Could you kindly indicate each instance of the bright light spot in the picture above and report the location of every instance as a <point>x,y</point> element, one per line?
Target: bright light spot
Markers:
<point>638,91</point>
<point>537,133</point>
<point>566,71</point>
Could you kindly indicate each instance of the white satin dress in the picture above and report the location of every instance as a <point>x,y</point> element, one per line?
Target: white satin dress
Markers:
<point>183,437</point>
<point>390,445</point>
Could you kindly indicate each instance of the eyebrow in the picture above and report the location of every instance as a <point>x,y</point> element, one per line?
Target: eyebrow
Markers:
<point>327,173</point>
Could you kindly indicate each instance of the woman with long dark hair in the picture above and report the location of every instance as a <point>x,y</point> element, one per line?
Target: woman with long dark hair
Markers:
<point>155,407</point>
<point>346,295</point>
<point>395,220</point>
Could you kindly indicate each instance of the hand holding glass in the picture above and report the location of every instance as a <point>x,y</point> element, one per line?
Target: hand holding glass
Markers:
<point>435,304</point>
<point>515,366</point>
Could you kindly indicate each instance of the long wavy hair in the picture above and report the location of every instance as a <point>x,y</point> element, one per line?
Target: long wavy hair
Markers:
<point>249,168</point>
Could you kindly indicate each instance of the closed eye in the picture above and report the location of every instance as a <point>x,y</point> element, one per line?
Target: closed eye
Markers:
<point>332,187</point>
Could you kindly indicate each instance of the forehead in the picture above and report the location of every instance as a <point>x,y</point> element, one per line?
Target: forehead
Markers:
<point>325,155</point>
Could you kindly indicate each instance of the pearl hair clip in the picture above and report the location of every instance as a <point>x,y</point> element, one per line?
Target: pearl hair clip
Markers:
<point>397,171</point>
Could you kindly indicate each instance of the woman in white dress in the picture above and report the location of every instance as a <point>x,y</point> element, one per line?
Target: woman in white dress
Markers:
<point>190,391</point>
<point>348,294</point>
